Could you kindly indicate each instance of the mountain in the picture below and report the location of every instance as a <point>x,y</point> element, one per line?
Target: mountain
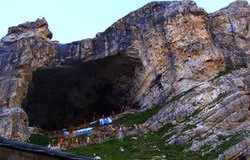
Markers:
<point>172,54</point>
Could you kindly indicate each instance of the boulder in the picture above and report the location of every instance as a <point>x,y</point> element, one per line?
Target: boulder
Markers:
<point>39,28</point>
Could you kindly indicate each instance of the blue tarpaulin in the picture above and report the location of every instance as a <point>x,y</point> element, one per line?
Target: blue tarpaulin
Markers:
<point>83,131</point>
<point>106,120</point>
<point>180,141</point>
<point>93,122</point>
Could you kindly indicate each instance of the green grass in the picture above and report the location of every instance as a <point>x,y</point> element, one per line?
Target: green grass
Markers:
<point>178,97</point>
<point>217,99</point>
<point>142,148</point>
<point>233,140</point>
<point>222,95</point>
<point>222,138</point>
<point>196,112</point>
<point>222,73</point>
<point>39,139</point>
<point>139,118</point>
<point>188,126</point>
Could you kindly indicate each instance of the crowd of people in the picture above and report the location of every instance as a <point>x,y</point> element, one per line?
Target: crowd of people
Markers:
<point>98,134</point>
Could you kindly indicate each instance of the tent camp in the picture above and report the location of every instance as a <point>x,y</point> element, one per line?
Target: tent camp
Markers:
<point>83,131</point>
<point>106,120</point>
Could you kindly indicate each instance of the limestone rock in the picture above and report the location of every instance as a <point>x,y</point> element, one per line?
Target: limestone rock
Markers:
<point>240,150</point>
<point>218,108</point>
<point>14,124</point>
<point>39,28</point>
<point>230,28</point>
<point>165,51</point>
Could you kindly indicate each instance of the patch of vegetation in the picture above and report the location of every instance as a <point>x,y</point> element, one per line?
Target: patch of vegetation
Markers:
<point>152,144</point>
<point>39,139</point>
<point>232,141</point>
<point>142,117</point>
<point>145,146</point>
<point>137,118</point>
<point>188,127</point>
<point>226,144</point>
<point>222,73</point>
<point>196,112</point>
<point>206,148</point>
<point>211,106</point>
<point>222,138</point>
<point>216,100</point>
<point>165,128</point>
<point>178,97</point>
<point>222,95</point>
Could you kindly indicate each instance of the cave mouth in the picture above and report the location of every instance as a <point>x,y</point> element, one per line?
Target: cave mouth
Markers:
<point>61,96</point>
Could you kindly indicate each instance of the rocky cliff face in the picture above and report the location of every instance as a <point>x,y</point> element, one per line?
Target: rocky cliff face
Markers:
<point>161,51</point>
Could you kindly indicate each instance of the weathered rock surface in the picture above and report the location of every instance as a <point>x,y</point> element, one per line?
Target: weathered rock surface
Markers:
<point>214,109</point>
<point>144,59</point>
<point>39,28</point>
<point>240,150</point>
<point>14,123</point>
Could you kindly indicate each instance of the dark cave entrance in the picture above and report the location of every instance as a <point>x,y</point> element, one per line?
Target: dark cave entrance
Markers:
<point>66,95</point>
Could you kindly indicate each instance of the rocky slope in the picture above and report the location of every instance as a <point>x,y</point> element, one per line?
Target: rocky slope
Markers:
<point>159,52</point>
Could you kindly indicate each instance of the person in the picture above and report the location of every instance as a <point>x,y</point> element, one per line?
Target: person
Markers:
<point>99,134</point>
<point>76,142</point>
<point>88,140</point>
<point>85,141</point>
<point>49,145</point>
<point>122,109</point>
<point>71,127</point>
<point>66,142</point>
<point>61,146</point>
<point>124,130</point>
<point>126,108</point>
<point>60,140</point>
<point>139,129</point>
<point>120,134</point>
<point>112,129</point>
<point>113,113</point>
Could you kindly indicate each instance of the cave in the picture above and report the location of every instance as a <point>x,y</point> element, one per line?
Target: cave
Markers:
<point>60,96</point>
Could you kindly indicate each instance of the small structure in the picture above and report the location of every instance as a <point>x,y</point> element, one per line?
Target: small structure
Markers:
<point>93,122</point>
<point>83,131</point>
<point>106,120</point>
<point>10,149</point>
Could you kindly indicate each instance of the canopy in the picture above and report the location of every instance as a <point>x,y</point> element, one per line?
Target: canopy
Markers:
<point>93,122</point>
<point>106,120</point>
<point>83,131</point>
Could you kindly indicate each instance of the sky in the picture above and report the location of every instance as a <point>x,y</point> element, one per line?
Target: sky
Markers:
<point>72,20</point>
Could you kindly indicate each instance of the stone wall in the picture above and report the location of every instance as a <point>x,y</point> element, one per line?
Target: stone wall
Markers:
<point>7,153</point>
<point>16,150</point>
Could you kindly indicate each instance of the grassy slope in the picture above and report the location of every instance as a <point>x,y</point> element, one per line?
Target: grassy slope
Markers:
<point>142,148</point>
<point>145,147</point>
<point>139,118</point>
